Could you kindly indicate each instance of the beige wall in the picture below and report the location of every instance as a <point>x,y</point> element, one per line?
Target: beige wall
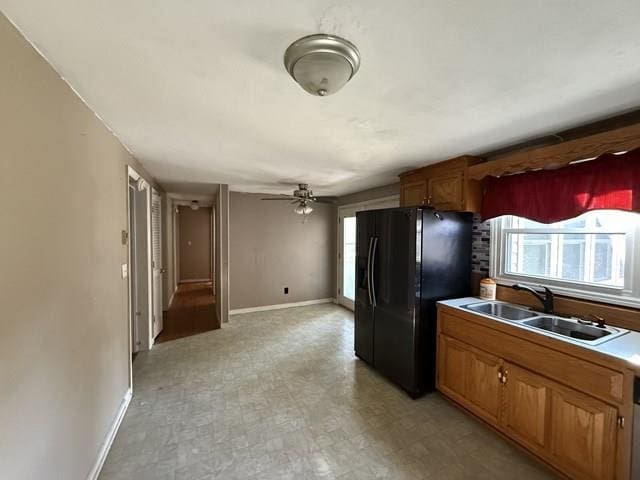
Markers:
<point>371,194</point>
<point>64,335</point>
<point>195,243</point>
<point>271,248</point>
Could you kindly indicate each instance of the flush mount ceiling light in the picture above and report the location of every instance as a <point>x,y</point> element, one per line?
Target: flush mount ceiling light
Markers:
<point>322,64</point>
<point>195,205</point>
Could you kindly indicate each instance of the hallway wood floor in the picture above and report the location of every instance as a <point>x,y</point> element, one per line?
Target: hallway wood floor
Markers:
<point>192,311</point>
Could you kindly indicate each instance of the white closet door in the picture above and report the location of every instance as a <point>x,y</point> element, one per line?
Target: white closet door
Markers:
<point>156,256</point>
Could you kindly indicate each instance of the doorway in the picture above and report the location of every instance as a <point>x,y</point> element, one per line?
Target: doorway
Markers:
<point>194,244</point>
<point>192,309</point>
<point>347,245</point>
<point>347,257</point>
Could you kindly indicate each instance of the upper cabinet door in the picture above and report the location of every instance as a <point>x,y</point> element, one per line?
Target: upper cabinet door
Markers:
<point>526,412</point>
<point>444,185</point>
<point>446,191</point>
<point>413,193</point>
<point>583,434</point>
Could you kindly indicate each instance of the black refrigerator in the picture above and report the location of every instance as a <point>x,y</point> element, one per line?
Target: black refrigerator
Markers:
<point>406,260</point>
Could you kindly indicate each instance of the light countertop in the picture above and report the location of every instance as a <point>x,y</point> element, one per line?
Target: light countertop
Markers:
<point>625,347</point>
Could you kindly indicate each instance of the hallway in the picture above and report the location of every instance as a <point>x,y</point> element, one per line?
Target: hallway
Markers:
<point>192,311</point>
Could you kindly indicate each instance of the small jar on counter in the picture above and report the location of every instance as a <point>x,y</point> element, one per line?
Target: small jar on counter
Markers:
<point>488,289</point>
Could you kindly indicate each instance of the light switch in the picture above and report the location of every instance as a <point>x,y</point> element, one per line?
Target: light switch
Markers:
<point>125,270</point>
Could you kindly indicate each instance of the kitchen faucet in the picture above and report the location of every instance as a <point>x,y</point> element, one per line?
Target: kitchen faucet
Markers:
<point>546,300</point>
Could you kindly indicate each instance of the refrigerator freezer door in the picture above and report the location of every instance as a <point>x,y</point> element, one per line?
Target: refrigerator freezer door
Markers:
<point>363,315</point>
<point>396,293</point>
<point>445,273</point>
<point>446,259</point>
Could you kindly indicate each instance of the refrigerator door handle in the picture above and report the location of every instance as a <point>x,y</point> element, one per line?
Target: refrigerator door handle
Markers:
<point>369,271</point>
<point>373,267</point>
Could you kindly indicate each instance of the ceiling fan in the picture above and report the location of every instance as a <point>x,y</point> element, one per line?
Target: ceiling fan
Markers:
<point>303,198</point>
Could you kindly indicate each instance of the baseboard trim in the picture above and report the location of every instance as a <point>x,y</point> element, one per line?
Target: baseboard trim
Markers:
<point>281,306</point>
<point>195,280</point>
<point>111,435</point>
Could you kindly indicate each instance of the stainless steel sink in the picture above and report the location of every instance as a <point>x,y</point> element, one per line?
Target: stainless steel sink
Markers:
<point>574,329</point>
<point>505,311</point>
<point>570,328</point>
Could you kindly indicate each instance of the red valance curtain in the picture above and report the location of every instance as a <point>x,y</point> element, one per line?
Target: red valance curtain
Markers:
<point>546,196</point>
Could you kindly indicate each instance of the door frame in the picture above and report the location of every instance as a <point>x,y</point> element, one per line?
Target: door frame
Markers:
<point>145,333</point>
<point>210,245</point>
<point>350,210</point>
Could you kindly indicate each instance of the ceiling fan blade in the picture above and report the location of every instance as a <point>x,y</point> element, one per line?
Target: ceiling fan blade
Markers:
<point>278,198</point>
<point>325,199</point>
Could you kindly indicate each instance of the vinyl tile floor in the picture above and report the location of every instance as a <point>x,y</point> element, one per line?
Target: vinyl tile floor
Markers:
<point>280,395</point>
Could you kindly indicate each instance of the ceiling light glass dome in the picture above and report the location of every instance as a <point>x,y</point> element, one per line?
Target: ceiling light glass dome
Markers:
<point>322,64</point>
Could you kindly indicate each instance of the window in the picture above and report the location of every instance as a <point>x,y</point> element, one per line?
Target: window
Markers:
<point>595,255</point>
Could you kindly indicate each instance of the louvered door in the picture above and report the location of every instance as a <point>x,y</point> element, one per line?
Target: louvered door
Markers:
<point>156,256</point>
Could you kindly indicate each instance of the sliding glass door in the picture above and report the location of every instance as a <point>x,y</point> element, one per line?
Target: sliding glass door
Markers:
<point>347,259</point>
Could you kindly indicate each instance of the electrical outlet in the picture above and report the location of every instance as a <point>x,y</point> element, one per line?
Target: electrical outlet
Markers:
<point>125,270</point>
<point>286,290</point>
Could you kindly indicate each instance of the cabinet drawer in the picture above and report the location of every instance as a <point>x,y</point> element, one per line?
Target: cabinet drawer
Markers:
<point>593,379</point>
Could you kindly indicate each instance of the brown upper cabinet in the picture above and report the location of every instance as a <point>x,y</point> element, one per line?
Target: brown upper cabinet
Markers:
<point>445,186</point>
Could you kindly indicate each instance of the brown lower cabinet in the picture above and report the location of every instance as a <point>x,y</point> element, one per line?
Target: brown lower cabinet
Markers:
<point>570,430</point>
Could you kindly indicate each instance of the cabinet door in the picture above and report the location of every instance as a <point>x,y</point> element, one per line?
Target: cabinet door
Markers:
<point>483,386</point>
<point>451,367</point>
<point>583,434</point>
<point>446,191</point>
<point>470,377</point>
<point>526,410</point>
<point>413,193</point>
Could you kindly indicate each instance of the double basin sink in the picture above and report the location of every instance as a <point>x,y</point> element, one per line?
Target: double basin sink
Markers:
<point>571,328</point>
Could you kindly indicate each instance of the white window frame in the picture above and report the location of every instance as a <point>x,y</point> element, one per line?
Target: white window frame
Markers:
<point>629,295</point>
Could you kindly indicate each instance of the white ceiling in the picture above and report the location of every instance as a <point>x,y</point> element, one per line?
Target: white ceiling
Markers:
<point>198,92</point>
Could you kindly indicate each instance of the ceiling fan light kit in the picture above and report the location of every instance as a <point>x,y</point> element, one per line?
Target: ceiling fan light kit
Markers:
<point>303,209</point>
<point>322,64</point>
<point>303,197</point>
